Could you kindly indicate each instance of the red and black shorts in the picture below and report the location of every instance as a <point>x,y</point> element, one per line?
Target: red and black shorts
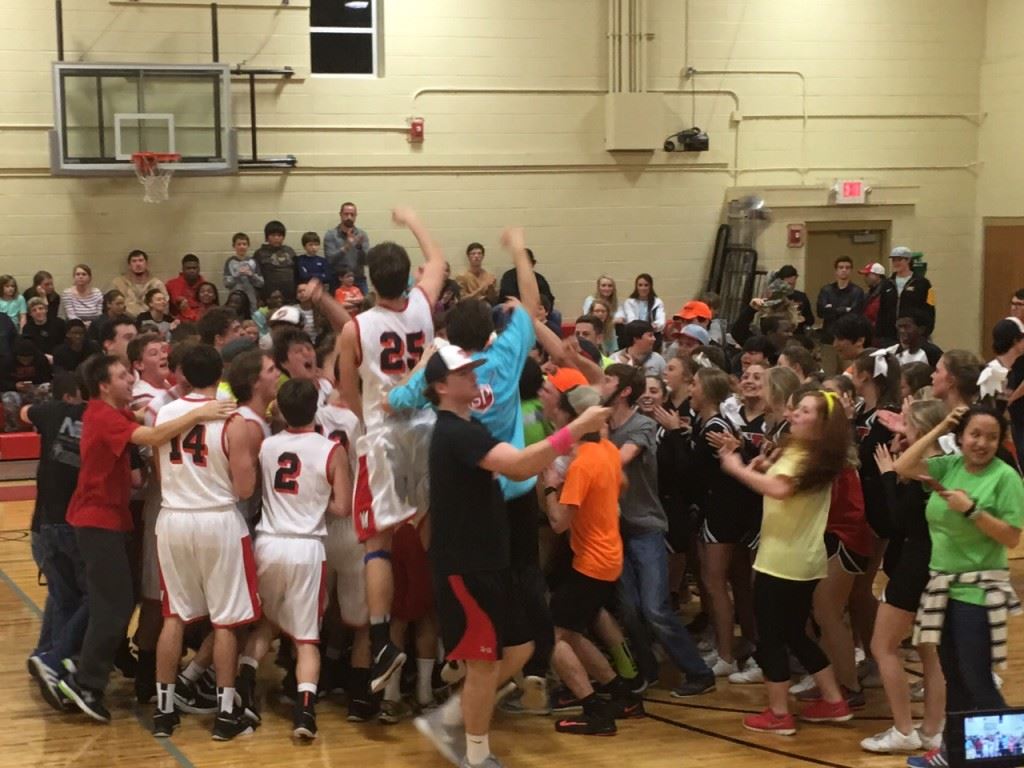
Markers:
<point>851,562</point>
<point>473,610</point>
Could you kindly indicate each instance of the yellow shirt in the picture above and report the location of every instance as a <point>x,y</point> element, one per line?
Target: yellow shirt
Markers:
<point>793,530</point>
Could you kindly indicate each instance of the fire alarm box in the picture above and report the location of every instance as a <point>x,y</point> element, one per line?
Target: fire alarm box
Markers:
<point>795,236</point>
<point>416,130</point>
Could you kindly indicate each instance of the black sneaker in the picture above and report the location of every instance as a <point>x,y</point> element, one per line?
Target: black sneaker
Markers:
<point>231,724</point>
<point>245,687</point>
<point>564,700</point>
<point>87,700</point>
<point>387,661</point>
<point>362,709</point>
<point>587,724</point>
<point>125,660</point>
<point>206,690</point>
<point>304,721</point>
<point>187,699</point>
<point>145,678</point>
<point>627,707</point>
<point>332,681</point>
<point>165,724</point>
<point>694,687</point>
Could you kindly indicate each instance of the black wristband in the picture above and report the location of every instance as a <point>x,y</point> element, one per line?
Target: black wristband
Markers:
<point>973,512</point>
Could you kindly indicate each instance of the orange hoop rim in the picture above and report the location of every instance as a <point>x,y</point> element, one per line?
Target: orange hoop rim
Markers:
<point>149,162</point>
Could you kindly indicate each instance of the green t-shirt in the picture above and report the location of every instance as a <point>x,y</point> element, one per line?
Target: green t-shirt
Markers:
<point>535,428</point>
<point>958,545</point>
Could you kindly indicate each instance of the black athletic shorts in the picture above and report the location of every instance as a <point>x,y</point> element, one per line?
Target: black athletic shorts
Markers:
<point>731,526</point>
<point>529,617</point>
<point>908,579</point>
<point>473,611</point>
<point>578,599</point>
<point>852,562</point>
<point>682,525</point>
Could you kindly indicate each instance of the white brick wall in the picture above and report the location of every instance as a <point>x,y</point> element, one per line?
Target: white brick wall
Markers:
<point>538,159</point>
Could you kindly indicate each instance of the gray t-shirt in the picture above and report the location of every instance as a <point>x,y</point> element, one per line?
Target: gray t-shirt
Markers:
<point>640,508</point>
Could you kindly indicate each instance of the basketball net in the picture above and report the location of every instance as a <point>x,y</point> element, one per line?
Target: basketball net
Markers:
<point>154,171</point>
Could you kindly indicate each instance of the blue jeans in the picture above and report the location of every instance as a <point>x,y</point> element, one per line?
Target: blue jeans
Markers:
<point>966,656</point>
<point>363,285</point>
<point>644,602</point>
<point>66,614</point>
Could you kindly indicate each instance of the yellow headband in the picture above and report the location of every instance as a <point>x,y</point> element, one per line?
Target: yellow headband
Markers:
<point>830,400</point>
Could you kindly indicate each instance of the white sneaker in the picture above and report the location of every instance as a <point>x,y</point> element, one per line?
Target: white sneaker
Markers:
<point>892,741</point>
<point>858,655</point>
<point>998,681</point>
<point>723,668</point>
<point>710,657</point>
<point>806,683</point>
<point>751,673</point>
<point>929,742</point>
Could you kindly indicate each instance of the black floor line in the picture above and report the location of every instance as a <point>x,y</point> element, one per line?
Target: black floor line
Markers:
<point>743,743</point>
<point>713,708</point>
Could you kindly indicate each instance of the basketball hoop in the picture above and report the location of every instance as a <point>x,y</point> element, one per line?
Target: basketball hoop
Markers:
<point>154,171</point>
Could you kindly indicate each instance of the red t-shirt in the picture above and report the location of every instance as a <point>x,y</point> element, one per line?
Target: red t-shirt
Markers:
<point>846,514</point>
<point>178,289</point>
<point>104,480</point>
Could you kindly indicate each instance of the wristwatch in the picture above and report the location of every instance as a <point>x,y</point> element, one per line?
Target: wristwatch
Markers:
<point>973,512</point>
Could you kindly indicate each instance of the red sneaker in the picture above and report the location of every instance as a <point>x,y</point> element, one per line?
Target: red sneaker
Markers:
<point>822,711</point>
<point>769,722</point>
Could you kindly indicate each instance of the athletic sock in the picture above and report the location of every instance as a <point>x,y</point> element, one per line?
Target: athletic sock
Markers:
<point>478,749</point>
<point>451,710</point>
<point>393,688</point>
<point>380,632</point>
<point>226,699</point>
<point>307,687</point>
<point>248,661</point>
<point>165,697</point>
<point>424,681</point>
<point>193,672</point>
<point>622,660</point>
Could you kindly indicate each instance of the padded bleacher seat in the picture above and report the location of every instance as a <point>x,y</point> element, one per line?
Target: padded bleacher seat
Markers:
<point>19,446</point>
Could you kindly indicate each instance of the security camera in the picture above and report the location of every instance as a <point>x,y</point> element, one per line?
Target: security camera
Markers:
<point>688,140</point>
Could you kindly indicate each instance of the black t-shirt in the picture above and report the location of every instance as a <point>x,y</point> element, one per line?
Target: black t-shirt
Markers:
<point>46,336</point>
<point>67,359</point>
<point>60,431</point>
<point>721,493</point>
<point>469,525</point>
<point>1016,409</point>
<point>870,433</point>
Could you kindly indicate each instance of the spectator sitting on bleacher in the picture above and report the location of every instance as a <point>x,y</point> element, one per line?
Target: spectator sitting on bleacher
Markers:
<point>25,382</point>
<point>75,349</point>
<point>43,330</point>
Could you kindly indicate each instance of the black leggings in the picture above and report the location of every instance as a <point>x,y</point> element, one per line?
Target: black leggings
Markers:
<point>781,609</point>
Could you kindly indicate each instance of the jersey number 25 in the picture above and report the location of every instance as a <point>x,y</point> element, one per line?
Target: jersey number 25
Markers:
<point>393,349</point>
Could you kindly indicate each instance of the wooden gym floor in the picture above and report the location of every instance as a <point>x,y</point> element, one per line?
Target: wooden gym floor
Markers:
<point>702,732</point>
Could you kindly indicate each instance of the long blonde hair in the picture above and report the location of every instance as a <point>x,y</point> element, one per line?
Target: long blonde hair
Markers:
<point>613,301</point>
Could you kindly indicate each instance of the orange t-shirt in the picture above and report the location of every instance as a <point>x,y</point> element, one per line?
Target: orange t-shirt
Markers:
<point>592,484</point>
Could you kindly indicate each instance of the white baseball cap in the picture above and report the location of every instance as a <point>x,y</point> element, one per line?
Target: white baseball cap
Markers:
<point>901,252</point>
<point>874,268</point>
<point>286,315</point>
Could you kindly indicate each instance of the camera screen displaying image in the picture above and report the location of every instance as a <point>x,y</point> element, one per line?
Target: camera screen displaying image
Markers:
<point>992,738</point>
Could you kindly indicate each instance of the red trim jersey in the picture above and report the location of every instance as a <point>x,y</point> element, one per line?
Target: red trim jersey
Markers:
<point>296,483</point>
<point>390,343</point>
<point>194,474</point>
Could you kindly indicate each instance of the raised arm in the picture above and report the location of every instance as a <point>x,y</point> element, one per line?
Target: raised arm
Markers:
<point>160,434</point>
<point>911,463</point>
<point>529,293</point>
<point>433,271</point>
<point>332,309</point>
<point>521,465</point>
<point>348,369</point>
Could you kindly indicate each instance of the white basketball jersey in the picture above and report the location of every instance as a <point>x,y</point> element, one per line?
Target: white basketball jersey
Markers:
<point>390,344</point>
<point>194,474</point>
<point>296,489</point>
<point>249,414</point>
<point>251,507</point>
<point>143,392</point>
<point>340,425</point>
<point>153,407</point>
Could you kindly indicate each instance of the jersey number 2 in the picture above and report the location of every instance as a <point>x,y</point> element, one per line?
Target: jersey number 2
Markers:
<point>393,349</point>
<point>286,479</point>
<point>194,444</point>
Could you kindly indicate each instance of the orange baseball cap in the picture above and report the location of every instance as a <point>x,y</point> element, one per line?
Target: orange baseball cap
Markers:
<point>565,379</point>
<point>693,309</point>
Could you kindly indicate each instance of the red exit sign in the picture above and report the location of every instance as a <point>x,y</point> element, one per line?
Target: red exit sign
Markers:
<point>850,192</point>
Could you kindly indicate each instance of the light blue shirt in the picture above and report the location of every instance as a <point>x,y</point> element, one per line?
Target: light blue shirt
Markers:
<point>497,405</point>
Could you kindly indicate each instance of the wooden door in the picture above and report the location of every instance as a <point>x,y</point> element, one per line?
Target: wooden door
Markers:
<point>825,245</point>
<point>1004,274</point>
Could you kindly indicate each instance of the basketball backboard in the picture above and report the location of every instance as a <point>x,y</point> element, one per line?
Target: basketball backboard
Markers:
<point>105,112</point>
